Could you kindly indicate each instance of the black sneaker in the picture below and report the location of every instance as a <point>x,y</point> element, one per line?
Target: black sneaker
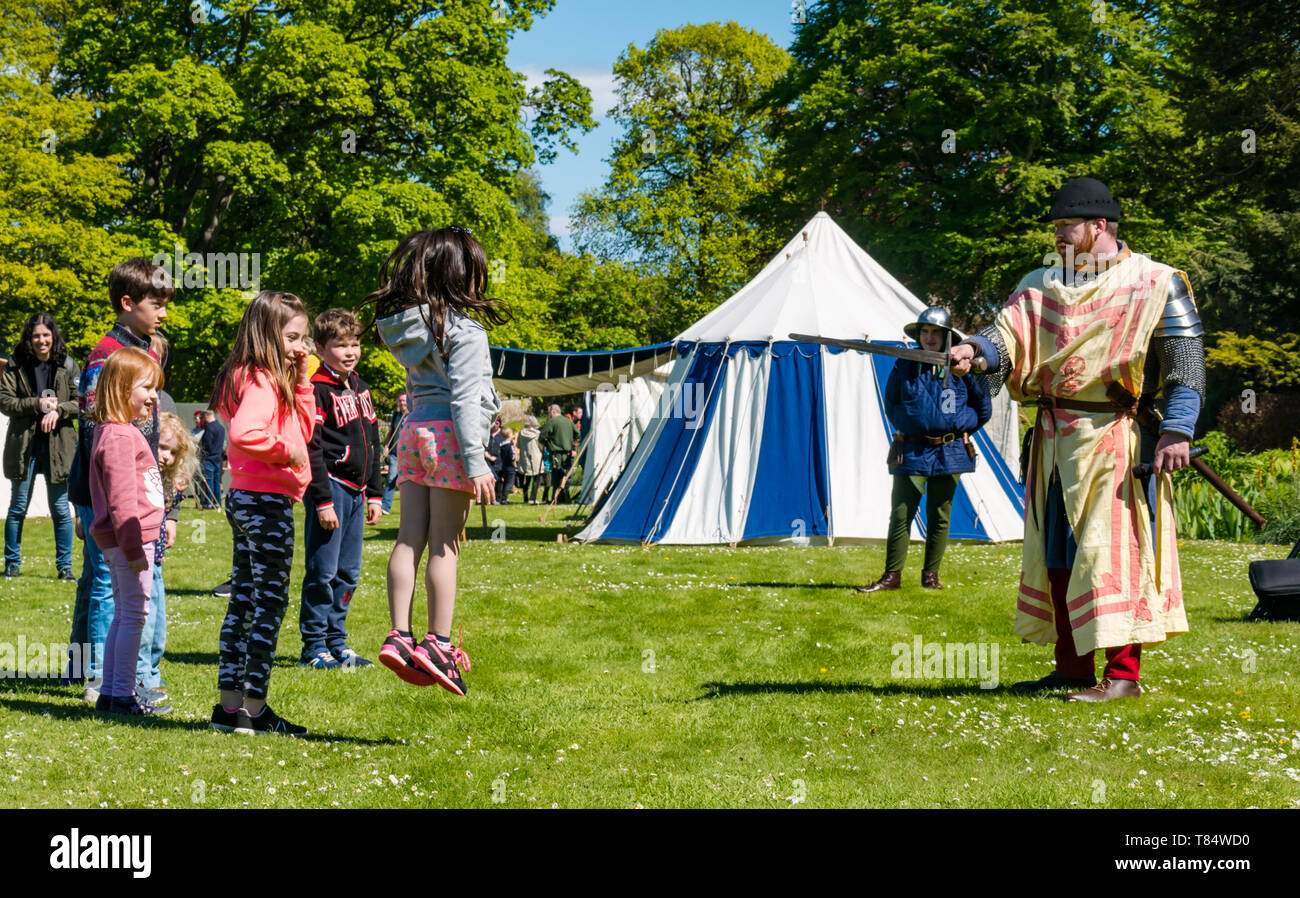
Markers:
<point>66,574</point>
<point>444,665</point>
<point>224,720</point>
<point>266,722</point>
<point>320,660</point>
<point>223,591</point>
<point>130,706</point>
<point>11,570</point>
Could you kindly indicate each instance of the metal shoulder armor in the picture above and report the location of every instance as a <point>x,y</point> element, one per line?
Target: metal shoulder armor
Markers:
<point>1180,318</point>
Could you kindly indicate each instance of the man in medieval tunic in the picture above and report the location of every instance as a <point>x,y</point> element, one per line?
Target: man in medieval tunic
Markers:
<point>1083,338</point>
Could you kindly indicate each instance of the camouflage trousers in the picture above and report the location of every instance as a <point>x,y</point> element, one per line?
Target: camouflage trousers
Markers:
<point>259,594</point>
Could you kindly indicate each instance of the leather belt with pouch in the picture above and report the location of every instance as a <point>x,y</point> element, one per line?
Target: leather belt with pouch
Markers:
<point>895,456</point>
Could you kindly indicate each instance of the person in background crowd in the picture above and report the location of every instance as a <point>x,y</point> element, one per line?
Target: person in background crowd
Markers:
<point>38,393</point>
<point>493,454</point>
<point>212,446</point>
<point>390,453</point>
<point>530,458</point>
<point>557,437</point>
<point>509,455</point>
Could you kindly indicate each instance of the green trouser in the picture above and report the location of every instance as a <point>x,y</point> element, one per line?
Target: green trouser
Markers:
<point>904,502</point>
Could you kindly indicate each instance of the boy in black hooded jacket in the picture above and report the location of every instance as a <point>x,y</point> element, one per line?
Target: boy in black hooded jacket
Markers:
<point>345,492</point>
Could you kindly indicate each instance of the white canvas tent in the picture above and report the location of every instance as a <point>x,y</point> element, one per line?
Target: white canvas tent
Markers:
<point>761,438</point>
<point>619,416</point>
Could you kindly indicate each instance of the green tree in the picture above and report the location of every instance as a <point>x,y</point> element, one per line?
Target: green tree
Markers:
<point>693,153</point>
<point>936,133</point>
<point>57,203</point>
<point>312,138</point>
<point>1237,76</point>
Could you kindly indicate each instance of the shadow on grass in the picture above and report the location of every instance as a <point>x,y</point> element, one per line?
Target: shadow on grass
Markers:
<point>518,533</point>
<point>211,659</point>
<point>80,710</point>
<point>721,690</point>
<point>780,585</point>
<point>201,593</point>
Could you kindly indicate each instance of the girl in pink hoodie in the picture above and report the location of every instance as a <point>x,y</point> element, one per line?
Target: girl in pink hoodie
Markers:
<point>265,394</point>
<point>126,493</point>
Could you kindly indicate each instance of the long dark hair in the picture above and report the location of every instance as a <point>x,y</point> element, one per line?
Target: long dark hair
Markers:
<point>25,355</point>
<point>438,270</point>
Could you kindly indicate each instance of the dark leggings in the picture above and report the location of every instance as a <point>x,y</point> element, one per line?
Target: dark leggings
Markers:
<point>263,532</point>
<point>531,482</point>
<point>904,502</point>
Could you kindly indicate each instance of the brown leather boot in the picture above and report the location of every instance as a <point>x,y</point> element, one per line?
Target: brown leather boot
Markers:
<point>930,580</point>
<point>890,580</point>
<point>1107,690</point>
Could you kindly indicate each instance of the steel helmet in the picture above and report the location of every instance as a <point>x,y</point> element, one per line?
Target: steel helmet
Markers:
<point>936,316</point>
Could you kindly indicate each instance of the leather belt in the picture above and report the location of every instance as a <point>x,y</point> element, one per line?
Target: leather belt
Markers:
<point>931,441</point>
<point>1078,405</point>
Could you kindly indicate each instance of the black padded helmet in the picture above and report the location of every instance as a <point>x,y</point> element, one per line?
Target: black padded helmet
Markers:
<point>1083,198</point>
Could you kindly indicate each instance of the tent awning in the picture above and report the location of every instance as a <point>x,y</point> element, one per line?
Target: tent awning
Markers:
<point>526,372</point>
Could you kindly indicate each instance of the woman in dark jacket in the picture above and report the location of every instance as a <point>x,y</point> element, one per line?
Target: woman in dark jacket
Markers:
<point>38,393</point>
<point>933,419</point>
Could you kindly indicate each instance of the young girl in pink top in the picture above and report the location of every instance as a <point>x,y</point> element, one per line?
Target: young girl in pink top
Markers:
<point>265,393</point>
<point>126,493</point>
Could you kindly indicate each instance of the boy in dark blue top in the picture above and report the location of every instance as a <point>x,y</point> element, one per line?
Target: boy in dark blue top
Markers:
<point>345,492</point>
<point>933,417</point>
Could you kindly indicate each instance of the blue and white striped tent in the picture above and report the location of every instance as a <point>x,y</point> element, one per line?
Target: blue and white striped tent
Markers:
<point>758,438</point>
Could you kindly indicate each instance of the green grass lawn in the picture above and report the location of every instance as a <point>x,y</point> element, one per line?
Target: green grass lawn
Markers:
<point>621,677</point>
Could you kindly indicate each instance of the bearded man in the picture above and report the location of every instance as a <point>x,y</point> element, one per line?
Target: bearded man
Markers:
<point>1082,338</point>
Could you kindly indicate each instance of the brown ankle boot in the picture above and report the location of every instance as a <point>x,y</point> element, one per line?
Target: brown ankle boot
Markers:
<point>930,580</point>
<point>890,580</point>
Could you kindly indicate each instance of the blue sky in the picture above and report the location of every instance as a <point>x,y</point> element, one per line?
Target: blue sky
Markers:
<point>585,37</point>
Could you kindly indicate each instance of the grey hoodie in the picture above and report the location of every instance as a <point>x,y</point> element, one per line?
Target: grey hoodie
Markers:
<point>460,390</point>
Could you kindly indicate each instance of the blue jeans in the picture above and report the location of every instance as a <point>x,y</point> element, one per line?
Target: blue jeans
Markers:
<point>92,614</point>
<point>333,569</point>
<point>390,485</point>
<point>211,472</point>
<point>153,639</point>
<point>20,497</point>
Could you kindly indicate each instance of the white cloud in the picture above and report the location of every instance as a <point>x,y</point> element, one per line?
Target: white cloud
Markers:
<point>599,81</point>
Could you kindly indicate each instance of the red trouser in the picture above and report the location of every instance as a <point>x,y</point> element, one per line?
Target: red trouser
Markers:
<point>1121,663</point>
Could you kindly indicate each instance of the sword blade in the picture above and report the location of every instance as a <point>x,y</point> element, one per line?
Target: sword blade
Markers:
<point>898,352</point>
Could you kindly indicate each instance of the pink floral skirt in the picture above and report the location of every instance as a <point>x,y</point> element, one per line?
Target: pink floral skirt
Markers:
<point>428,453</point>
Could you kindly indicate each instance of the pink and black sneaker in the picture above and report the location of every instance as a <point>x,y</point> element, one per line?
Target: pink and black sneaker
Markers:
<point>398,654</point>
<point>443,665</point>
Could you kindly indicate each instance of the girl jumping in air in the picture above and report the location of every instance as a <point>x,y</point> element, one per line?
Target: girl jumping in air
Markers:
<point>265,392</point>
<point>427,306</point>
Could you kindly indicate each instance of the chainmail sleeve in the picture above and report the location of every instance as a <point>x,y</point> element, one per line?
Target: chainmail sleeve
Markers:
<point>1182,361</point>
<point>994,379</point>
<point>1179,342</point>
